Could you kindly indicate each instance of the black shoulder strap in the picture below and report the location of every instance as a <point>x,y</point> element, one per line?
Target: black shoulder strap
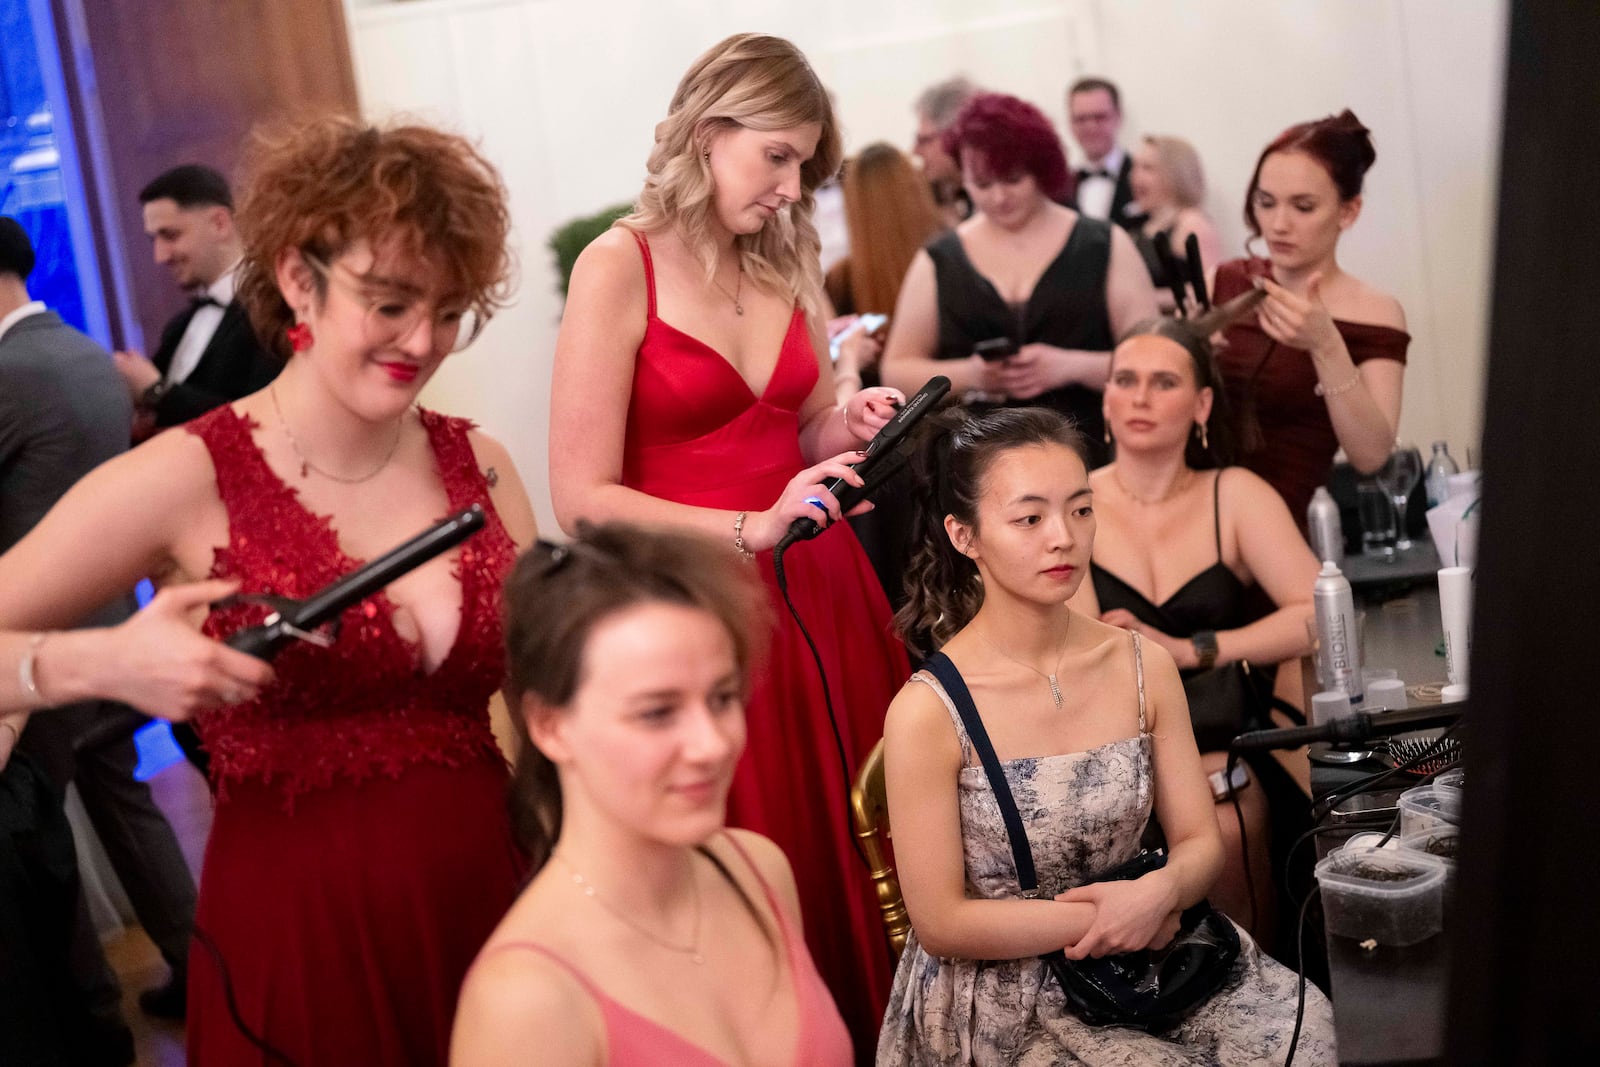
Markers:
<point>955,687</point>
<point>1216,511</point>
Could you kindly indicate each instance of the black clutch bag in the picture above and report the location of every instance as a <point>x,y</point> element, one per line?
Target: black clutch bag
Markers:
<point>1150,989</point>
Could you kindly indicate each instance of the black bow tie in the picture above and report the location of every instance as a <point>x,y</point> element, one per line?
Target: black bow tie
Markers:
<point>1093,172</point>
<point>204,300</point>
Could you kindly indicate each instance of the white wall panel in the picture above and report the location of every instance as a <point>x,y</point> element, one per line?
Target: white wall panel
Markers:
<point>564,96</point>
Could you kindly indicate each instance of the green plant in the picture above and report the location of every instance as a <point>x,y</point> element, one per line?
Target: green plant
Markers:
<point>573,237</point>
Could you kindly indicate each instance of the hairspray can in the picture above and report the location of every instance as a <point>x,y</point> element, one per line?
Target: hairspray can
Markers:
<point>1324,527</point>
<point>1338,648</point>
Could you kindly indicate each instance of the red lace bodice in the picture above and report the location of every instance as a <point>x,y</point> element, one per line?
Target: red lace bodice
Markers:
<point>364,706</point>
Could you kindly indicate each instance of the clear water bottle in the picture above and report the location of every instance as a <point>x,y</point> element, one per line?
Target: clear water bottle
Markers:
<point>1323,526</point>
<point>1440,468</point>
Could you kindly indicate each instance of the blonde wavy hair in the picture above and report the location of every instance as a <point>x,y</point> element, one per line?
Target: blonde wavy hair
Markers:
<point>757,82</point>
<point>1181,164</point>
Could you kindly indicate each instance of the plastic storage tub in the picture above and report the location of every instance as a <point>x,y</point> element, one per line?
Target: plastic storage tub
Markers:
<point>1440,842</point>
<point>1393,898</point>
<point>1370,839</point>
<point>1428,806</point>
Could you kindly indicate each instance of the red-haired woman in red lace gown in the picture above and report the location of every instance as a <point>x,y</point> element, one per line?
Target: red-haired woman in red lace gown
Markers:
<point>361,851</point>
<point>689,391</point>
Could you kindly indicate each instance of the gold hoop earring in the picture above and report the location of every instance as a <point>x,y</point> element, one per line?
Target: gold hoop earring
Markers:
<point>1204,444</point>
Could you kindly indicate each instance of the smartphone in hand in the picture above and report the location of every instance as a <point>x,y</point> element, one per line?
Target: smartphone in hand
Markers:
<point>996,348</point>
<point>868,324</point>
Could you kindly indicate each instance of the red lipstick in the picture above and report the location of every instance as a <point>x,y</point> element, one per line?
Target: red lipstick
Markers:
<point>401,372</point>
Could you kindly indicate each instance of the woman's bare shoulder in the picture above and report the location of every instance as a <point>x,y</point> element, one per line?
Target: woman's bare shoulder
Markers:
<point>1103,641</point>
<point>1365,303</point>
<point>769,861</point>
<point>517,994</point>
<point>616,247</point>
<point>1247,490</point>
<point>1193,220</point>
<point>170,469</point>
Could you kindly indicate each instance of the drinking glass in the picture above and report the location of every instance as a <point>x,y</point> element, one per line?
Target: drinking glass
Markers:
<point>1400,475</point>
<point>1377,520</point>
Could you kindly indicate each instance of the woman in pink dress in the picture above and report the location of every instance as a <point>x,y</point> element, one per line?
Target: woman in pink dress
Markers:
<point>651,934</point>
<point>361,852</point>
<point>692,389</point>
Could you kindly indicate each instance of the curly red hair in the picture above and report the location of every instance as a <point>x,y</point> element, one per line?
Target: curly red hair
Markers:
<point>320,186</point>
<point>1014,137</point>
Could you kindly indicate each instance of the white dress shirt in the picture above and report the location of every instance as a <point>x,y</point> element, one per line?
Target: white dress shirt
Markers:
<point>32,307</point>
<point>202,327</point>
<point>1096,191</point>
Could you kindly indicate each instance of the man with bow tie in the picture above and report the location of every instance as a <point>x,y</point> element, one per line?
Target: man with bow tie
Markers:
<point>1102,190</point>
<point>208,353</point>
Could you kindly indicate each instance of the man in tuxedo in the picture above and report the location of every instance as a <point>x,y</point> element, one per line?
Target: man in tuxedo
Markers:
<point>63,412</point>
<point>208,355</point>
<point>1103,190</point>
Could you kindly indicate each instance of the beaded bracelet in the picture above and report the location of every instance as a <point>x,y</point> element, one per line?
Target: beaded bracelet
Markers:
<point>1343,387</point>
<point>738,535</point>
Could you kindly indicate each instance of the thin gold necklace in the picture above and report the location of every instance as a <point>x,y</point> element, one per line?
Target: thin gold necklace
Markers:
<point>738,287</point>
<point>1178,485</point>
<point>1055,686</point>
<point>692,949</point>
<point>306,466</point>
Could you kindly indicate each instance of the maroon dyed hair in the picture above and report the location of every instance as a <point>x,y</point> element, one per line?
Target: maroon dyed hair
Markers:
<point>1339,142</point>
<point>1014,137</point>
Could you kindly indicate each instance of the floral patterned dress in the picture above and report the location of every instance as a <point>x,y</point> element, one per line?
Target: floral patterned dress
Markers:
<point>1084,813</point>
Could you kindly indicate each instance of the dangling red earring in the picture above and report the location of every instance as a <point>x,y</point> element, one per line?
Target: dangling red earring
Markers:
<point>299,337</point>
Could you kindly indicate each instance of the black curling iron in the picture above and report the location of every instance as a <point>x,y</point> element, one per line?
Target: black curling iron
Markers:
<point>1197,272</point>
<point>1188,270</point>
<point>878,462</point>
<point>1352,729</point>
<point>1176,275</point>
<point>292,619</point>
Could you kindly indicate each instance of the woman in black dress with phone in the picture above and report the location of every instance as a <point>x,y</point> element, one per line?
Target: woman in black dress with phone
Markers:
<point>1049,290</point>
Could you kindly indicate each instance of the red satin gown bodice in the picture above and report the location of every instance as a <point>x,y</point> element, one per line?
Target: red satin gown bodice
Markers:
<point>697,434</point>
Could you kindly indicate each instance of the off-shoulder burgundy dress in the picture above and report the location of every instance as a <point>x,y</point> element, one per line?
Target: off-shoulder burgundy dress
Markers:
<point>1285,433</point>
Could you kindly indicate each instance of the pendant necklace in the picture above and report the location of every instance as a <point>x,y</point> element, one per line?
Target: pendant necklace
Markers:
<point>738,287</point>
<point>692,949</point>
<point>1178,485</point>
<point>1055,685</point>
<point>307,467</point>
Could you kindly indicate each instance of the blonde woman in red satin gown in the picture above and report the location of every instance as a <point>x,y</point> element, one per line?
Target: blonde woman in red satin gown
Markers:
<point>691,389</point>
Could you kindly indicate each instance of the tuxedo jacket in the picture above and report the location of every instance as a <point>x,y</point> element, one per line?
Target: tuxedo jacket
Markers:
<point>234,364</point>
<point>1124,210</point>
